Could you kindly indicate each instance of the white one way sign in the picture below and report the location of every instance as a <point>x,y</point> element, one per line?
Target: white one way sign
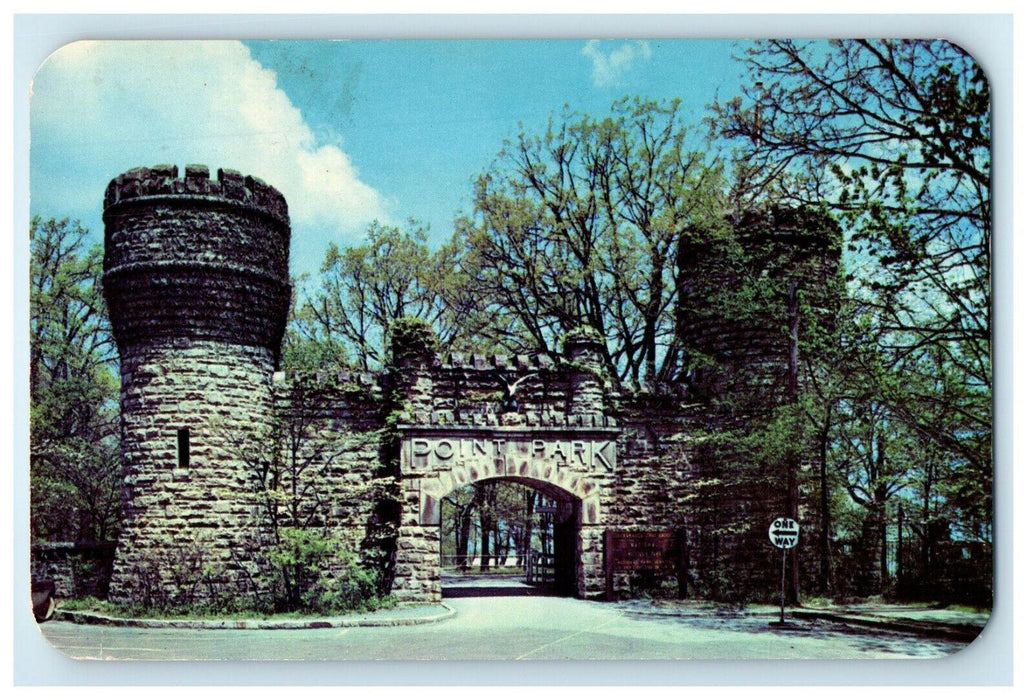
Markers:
<point>784,533</point>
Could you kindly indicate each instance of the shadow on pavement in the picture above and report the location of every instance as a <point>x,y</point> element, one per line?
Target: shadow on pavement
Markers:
<point>869,638</point>
<point>487,586</point>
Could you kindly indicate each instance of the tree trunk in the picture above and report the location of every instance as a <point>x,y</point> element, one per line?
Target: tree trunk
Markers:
<point>502,549</point>
<point>651,319</point>
<point>825,546</point>
<point>483,497</point>
<point>529,516</point>
<point>793,492</point>
<point>463,536</point>
<point>881,524</point>
<point>486,540</point>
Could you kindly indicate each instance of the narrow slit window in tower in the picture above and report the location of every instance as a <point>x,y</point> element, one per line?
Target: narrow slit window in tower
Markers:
<point>183,447</point>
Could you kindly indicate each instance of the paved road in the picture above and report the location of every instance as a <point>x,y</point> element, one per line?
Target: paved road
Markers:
<point>509,628</point>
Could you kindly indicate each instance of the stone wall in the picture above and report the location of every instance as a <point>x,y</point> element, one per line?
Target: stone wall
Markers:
<point>197,287</point>
<point>77,569</point>
<point>746,292</point>
<point>335,439</point>
<point>664,467</point>
<point>753,300</point>
<point>195,258</point>
<point>189,515</point>
<point>470,418</point>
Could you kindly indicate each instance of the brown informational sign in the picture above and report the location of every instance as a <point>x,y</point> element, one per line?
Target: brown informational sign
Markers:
<point>657,551</point>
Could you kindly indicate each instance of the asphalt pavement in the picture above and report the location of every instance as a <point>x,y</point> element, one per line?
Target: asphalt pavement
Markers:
<point>521,627</point>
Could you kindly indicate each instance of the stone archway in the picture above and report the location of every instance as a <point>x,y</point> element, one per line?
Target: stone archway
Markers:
<point>538,552</point>
<point>576,466</point>
<point>547,477</point>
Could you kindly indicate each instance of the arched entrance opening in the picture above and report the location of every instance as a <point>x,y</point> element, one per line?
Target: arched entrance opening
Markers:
<point>570,467</point>
<point>509,536</point>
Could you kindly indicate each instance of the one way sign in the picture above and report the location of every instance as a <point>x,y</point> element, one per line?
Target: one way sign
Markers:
<point>784,533</point>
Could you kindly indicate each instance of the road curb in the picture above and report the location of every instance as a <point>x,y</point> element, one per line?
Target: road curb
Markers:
<point>93,618</point>
<point>946,630</point>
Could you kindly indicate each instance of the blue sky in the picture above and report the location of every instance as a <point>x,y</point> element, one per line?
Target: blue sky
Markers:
<point>350,131</point>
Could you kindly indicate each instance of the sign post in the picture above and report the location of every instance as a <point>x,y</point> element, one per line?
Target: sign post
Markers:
<point>784,533</point>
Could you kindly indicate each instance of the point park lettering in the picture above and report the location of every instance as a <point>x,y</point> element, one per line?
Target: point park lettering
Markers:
<point>588,455</point>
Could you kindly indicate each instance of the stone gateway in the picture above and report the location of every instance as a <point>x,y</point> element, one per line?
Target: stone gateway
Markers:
<point>197,286</point>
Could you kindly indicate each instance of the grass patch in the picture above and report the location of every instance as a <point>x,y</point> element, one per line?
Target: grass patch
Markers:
<point>203,612</point>
<point>973,609</point>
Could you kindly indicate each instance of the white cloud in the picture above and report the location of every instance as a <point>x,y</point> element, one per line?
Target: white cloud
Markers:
<point>608,68</point>
<point>101,108</point>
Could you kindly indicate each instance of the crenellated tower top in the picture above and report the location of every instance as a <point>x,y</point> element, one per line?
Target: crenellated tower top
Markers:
<point>229,185</point>
<point>195,258</point>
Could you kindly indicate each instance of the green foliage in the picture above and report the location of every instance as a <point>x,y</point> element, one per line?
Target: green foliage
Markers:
<point>319,574</point>
<point>412,337</point>
<point>578,226</point>
<point>294,560</point>
<point>490,520</point>
<point>302,550</point>
<point>348,590</point>
<point>174,576</point>
<point>305,351</point>
<point>74,440</point>
<point>581,334</point>
<point>573,233</point>
<point>894,137</point>
<point>364,289</point>
<point>304,571</point>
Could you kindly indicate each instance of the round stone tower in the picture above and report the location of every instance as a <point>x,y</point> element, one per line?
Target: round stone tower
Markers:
<point>757,301</point>
<point>751,297</point>
<point>197,287</point>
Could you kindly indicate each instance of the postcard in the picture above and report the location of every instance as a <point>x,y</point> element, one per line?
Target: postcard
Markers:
<point>487,350</point>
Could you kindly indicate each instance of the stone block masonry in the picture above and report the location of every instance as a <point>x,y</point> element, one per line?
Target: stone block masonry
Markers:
<point>196,280</point>
<point>197,289</point>
<point>189,408</point>
<point>194,258</point>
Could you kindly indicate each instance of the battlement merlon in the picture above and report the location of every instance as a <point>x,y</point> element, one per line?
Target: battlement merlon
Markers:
<point>163,181</point>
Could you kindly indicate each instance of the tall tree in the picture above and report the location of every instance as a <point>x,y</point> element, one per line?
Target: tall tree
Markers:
<point>74,452</point>
<point>363,289</point>
<point>500,513</point>
<point>577,227</point>
<point>895,137</point>
<point>457,513</point>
